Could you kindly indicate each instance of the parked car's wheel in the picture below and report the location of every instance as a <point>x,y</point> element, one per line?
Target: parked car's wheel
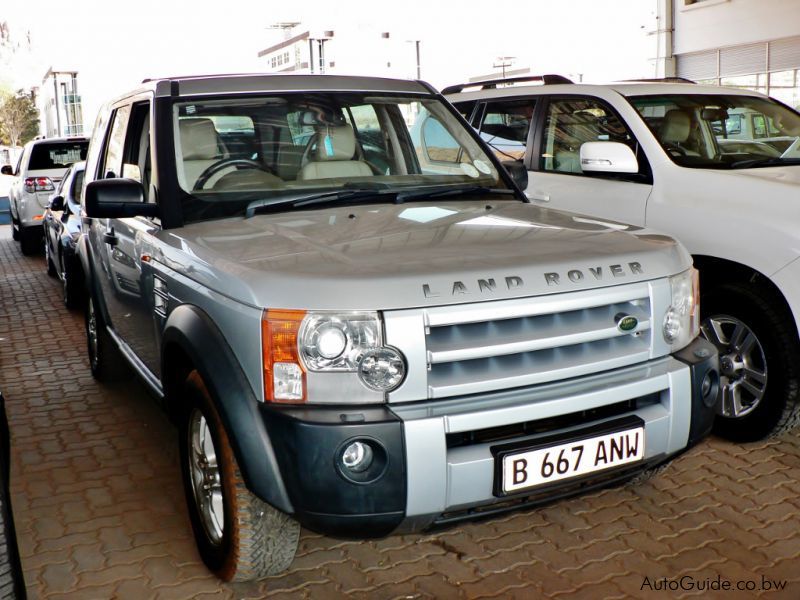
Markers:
<point>239,537</point>
<point>51,268</point>
<point>14,229</point>
<point>105,360</point>
<point>29,240</point>
<point>12,581</point>
<point>758,350</point>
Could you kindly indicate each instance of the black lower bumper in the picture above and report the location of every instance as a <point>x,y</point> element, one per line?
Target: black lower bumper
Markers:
<point>327,497</point>
<point>703,362</point>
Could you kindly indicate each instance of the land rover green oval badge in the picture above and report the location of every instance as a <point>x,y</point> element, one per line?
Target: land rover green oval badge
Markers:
<point>627,323</point>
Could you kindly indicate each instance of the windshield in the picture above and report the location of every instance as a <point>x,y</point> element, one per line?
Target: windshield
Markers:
<point>231,152</point>
<point>722,131</point>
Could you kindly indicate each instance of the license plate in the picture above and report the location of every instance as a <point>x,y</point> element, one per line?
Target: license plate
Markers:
<point>531,468</point>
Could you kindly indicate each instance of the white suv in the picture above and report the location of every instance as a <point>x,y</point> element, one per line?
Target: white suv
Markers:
<point>41,166</point>
<point>718,168</point>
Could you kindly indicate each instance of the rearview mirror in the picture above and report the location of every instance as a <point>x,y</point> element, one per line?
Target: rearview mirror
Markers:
<point>6,170</point>
<point>517,171</point>
<point>57,203</point>
<point>117,199</point>
<point>608,157</point>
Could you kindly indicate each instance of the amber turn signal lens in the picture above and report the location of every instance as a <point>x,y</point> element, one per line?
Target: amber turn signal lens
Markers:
<point>284,375</point>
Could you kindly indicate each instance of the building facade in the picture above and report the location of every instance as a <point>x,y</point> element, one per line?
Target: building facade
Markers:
<point>349,49</point>
<point>60,104</point>
<point>752,44</point>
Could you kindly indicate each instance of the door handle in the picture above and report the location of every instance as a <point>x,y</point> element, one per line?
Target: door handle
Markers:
<point>540,196</point>
<point>110,238</point>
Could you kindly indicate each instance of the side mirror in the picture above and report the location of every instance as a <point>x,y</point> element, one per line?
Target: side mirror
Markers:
<point>608,157</point>
<point>117,199</point>
<point>57,203</point>
<point>517,171</point>
<point>6,170</point>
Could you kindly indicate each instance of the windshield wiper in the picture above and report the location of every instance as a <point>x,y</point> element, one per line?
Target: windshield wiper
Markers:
<point>775,161</point>
<point>300,200</point>
<point>439,192</point>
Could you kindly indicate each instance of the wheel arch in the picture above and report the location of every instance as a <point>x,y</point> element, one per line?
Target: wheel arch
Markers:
<point>715,271</point>
<point>191,340</point>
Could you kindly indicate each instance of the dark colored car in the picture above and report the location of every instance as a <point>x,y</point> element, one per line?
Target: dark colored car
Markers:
<point>12,584</point>
<point>62,226</point>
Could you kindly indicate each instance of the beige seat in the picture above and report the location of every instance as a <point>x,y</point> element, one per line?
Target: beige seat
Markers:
<point>333,157</point>
<point>201,147</point>
<point>675,131</point>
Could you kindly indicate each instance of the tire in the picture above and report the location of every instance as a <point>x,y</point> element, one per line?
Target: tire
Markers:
<point>105,361</point>
<point>14,229</point>
<point>239,537</point>
<point>30,240</point>
<point>51,268</point>
<point>758,349</point>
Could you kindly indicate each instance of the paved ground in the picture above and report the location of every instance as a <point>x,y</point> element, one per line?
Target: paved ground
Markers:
<point>100,511</point>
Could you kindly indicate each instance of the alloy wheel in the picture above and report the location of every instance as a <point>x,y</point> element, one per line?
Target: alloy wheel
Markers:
<point>206,477</point>
<point>743,366</point>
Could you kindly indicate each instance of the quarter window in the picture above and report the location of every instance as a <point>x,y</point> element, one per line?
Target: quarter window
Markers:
<point>505,127</point>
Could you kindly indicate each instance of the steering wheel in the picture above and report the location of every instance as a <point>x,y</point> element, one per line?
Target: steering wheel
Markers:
<point>675,149</point>
<point>238,163</point>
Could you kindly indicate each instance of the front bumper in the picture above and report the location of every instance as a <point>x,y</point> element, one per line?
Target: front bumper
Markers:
<point>439,465</point>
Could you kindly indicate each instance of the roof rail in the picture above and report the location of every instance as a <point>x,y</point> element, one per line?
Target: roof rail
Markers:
<point>493,83</point>
<point>660,80</point>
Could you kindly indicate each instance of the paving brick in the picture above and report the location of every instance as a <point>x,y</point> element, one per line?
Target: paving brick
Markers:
<point>100,511</point>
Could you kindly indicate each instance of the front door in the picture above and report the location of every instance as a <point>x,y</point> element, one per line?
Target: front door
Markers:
<point>555,178</point>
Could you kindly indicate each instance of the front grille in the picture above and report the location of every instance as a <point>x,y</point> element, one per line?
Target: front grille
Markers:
<point>510,344</point>
<point>519,430</point>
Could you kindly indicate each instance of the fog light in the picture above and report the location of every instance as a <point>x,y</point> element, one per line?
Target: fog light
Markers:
<point>382,369</point>
<point>357,457</point>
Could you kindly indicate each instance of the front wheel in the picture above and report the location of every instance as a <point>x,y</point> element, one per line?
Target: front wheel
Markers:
<point>758,351</point>
<point>239,537</point>
<point>105,361</point>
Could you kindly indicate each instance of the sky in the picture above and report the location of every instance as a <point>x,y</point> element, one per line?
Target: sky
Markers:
<point>114,45</point>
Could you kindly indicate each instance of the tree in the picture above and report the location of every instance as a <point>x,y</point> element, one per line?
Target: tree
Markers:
<point>19,119</point>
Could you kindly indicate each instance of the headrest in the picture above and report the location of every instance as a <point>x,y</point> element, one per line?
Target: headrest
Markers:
<point>199,139</point>
<point>335,142</point>
<point>676,127</point>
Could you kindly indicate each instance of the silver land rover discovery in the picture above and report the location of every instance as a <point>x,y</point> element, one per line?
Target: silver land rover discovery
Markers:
<point>360,323</point>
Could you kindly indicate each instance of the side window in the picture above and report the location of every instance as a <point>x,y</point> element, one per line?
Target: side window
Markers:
<point>369,135</point>
<point>136,152</point>
<point>759,126</point>
<point>96,144</point>
<point>505,127</point>
<point>77,187</point>
<point>112,159</point>
<point>440,146</point>
<point>465,108</point>
<point>571,122</point>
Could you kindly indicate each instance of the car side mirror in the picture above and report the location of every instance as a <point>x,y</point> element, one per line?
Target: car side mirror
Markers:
<point>57,203</point>
<point>6,170</point>
<point>608,157</point>
<point>518,172</point>
<point>116,199</point>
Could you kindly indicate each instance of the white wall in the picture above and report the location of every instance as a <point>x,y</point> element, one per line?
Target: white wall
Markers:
<point>717,24</point>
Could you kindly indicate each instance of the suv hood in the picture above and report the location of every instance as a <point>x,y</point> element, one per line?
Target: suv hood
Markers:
<point>392,256</point>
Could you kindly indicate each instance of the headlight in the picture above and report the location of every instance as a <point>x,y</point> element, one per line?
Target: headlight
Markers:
<point>302,350</point>
<point>682,320</point>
